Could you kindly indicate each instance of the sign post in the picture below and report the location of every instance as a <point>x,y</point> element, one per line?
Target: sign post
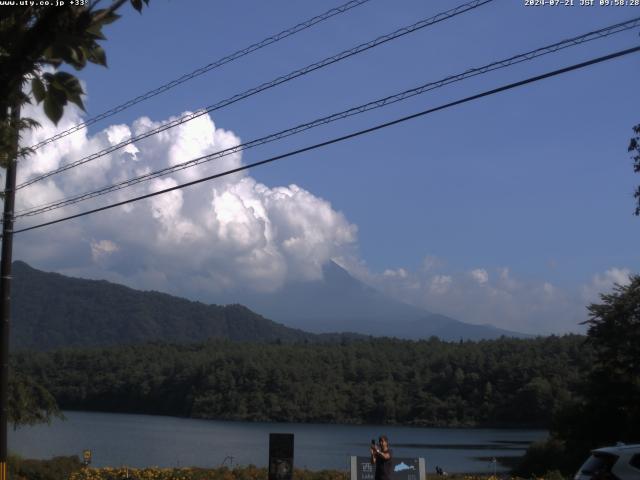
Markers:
<point>403,468</point>
<point>280,456</point>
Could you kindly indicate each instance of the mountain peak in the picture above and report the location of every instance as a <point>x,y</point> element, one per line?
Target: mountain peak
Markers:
<point>332,265</point>
<point>341,302</point>
<point>334,272</point>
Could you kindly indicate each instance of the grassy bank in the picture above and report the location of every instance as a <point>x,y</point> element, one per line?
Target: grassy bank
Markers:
<point>70,468</point>
<point>192,473</point>
<point>247,473</point>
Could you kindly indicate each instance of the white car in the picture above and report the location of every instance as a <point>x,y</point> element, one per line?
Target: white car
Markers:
<point>621,462</point>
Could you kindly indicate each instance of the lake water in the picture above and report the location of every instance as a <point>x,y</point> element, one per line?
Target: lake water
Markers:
<point>143,440</point>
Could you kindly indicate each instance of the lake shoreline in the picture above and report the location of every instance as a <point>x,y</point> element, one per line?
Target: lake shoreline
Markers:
<point>142,440</point>
<point>501,426</point>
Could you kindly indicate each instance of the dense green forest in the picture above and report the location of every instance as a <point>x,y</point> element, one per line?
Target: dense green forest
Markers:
<point>506,382</point>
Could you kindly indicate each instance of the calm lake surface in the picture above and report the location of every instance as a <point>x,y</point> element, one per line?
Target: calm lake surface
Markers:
<point>143,440</point>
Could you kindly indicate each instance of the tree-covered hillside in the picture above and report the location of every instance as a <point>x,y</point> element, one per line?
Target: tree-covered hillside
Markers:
<point>53,311</point>
<point>504,382</point>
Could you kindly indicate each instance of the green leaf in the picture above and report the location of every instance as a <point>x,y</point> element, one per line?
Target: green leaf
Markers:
<point>55,84</point>
<point>82,58</point>
<point>49,57</point>
<point>50,54</point>
<point>37,87</point>
<point>66,87</point>
<point>69,83</point>
<point>73,56</point>
<point>97,55</point>
<point>66,80</point>
<point>53,109</point>
<point>96,31</point>
<point>137,4</point>
<point>63,77</point>
<point>77,100</point>
<point>67,55</point>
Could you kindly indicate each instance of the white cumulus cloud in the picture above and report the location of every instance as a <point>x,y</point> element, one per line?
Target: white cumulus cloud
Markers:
<point>400,272</point>
<point>604,283</point>
<point>231,233</point>
<point>440,284</point>
<point>100,249</point>
<point>480,275</point>
<point>487,296</point>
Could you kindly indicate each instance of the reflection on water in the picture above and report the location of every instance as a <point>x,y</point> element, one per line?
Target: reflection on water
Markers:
<point>143,440</point>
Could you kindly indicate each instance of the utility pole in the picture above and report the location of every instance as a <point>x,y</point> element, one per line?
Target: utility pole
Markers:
<point>36,29</point>
<point>5,280</point>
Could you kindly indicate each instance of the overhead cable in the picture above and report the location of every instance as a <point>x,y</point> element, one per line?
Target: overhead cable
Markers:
<point>516,59</point>
<point>206,68</point>
<point>267,85</point>
<point>344,137</point>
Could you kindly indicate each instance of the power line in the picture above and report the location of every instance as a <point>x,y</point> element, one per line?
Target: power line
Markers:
<point>530,55</point>
<point>200,71</point>
<point>346,137</point>
<point>267,85</point>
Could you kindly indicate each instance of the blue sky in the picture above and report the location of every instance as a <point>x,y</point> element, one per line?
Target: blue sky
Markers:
<point>532,186</point>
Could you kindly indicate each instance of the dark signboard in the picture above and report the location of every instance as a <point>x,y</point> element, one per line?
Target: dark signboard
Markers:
<point>280,456</point>
<point>403,468</point>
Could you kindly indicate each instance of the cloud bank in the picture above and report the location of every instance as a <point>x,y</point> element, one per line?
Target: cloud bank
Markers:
<point>227,234</point>
<point>492,296</point>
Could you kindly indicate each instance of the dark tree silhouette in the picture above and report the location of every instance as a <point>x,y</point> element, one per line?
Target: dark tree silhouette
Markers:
<point>634,147</point>
<point>32,38</point>
<point>606,408</point>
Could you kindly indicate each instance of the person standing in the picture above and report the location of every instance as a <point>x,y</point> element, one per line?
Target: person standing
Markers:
<point>381,457</point>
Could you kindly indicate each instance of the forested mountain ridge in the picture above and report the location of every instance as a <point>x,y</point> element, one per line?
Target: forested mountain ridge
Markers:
<point>50,311</point>
<point>505,382</point>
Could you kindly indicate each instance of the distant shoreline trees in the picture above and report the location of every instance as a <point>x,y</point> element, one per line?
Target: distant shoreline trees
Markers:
<point>504,382</point>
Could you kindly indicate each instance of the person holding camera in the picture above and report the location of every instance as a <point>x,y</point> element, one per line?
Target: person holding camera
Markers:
<point>381,458</point>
